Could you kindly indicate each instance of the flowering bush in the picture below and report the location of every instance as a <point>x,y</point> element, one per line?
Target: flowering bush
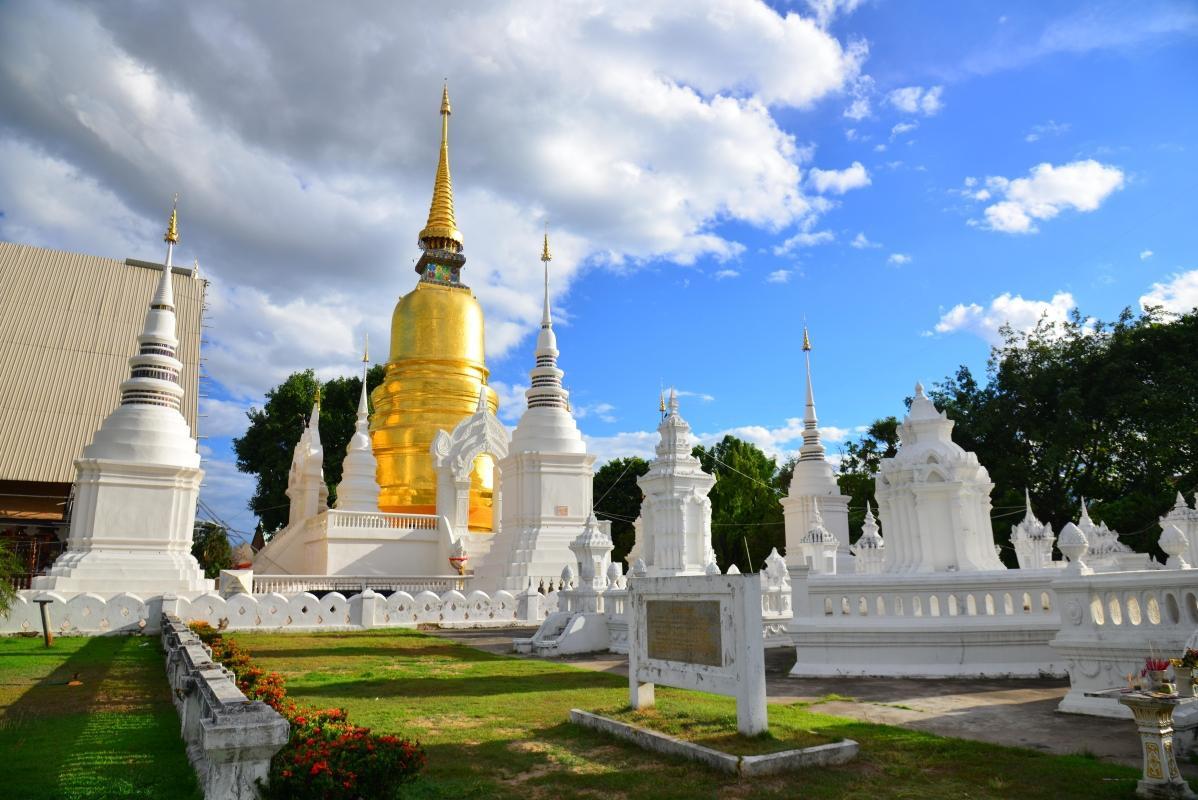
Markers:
<point>1189,658</point>
<point>327,756</point>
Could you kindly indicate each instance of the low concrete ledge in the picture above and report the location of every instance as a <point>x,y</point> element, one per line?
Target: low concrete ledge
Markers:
<point>746,766</point>
<point>230,739</point>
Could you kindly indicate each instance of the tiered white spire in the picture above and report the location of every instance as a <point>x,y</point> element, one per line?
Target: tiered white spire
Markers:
<point>546,390</point>
<point>154,370</point>
<point>1032,539</point>
<point>813,448</point>
<point>359,488</point>
<point>306,488</point>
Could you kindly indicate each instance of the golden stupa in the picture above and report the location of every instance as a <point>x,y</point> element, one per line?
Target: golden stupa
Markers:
<point>437,367</point>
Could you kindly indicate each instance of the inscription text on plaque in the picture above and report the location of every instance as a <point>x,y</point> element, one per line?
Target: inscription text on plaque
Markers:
<point>684,630</point>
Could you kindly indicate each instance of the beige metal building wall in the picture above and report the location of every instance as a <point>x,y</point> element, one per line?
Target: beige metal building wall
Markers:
<point>68,325</point>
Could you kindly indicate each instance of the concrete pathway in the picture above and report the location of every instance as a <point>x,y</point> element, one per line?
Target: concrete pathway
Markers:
<point>1014,712</point>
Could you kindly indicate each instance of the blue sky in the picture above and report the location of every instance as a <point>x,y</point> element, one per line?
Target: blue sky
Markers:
<point>901,177</point>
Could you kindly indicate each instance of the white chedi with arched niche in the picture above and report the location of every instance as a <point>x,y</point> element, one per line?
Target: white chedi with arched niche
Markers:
<point>934,499</point>
<point>359,487</point>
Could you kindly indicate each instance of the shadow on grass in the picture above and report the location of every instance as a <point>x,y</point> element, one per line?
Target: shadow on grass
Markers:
<point>447,652</point>
<point>455,685</point>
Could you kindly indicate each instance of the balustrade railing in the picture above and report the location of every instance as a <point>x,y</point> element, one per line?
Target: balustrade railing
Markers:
<point>1013,594</point>
<point>374,519</point>
<point>352,584</point>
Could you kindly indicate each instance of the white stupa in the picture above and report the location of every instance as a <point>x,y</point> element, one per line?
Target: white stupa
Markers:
<point>137,483</point>
<point>545,478</point>
<point>306,488</point>
<point>1032,540</point>
<point>674,537</point>
<point>359,488</point>
<point>814,485</point>
<point>934,499</point>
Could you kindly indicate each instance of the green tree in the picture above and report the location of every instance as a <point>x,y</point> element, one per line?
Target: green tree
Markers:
<point>744,503</point>
<point>265,449</point>
<point>210,546</point>
<point>618,498</point>
<point>859,465</point>
<point>10,567</point>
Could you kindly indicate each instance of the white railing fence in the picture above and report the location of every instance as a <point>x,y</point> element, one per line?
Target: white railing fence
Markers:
<point>290,584</point>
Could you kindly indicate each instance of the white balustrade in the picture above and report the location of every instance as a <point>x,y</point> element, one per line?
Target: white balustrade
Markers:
<point>288,584</point>
<point>1112,621</point>
<point>931,625</point>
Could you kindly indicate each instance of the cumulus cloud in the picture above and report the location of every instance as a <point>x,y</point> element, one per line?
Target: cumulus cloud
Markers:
<point>1145,255</point>
<point>827,10</point>
<point>1006,309</point>
<point>1178,295</point>
<point>778,276</point>
<point>726,273</point>
<point>917,99</point>
<point>222,417</point>
<point>305,173</point>
<point>903,127</point>
<point>1080,185</point>
<point>862,242</point>
<point>839,181</point>
<point>804,239</point>
<point>898,259</point>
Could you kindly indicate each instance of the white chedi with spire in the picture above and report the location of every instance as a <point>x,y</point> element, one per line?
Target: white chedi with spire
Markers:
<point>138,481</point>
<point>676,512</point>
<point>1032,540</point>
<point>934,499</point>
<point>819,546</point>
<point>814,484</point>
<point>869,549</point>
<point>546,477</point>
<point>359,488</point>
<point>306,487</point>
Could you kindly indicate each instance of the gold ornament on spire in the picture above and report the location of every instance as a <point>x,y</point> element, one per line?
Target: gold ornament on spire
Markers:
<point>441,231</point>
<point>366,349</point>
<point>172,227</point>
<point>318,394</point>
<point>545,254</point>
<point>806,341</point>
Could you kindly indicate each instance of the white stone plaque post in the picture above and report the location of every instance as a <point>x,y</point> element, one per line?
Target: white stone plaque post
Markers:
<point>699,632</point>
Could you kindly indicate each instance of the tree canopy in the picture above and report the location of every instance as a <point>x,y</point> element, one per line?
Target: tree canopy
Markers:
<point>266,448</point>
<point>618,498</point>
<point>210,546</point>
<point>744,503</point>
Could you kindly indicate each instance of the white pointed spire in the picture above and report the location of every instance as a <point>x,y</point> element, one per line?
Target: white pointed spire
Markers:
<point>546,379</point>
<point>482,400</point>
<point>813,448</point>
<point>359,488</point>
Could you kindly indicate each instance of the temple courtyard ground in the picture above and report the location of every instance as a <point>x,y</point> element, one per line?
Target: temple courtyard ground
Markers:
<point>495,725</point>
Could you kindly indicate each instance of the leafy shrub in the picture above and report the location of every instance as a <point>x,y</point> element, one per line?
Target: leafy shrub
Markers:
<point>327,757</point>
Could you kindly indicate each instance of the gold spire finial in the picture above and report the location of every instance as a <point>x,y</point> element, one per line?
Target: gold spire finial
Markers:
<point>545,254</point>
<point>806,341</point>
<point>366,348</point>
<point>661,401</point>
<point>318,394</point>
<point>172,227</point>
<point>441,231</point>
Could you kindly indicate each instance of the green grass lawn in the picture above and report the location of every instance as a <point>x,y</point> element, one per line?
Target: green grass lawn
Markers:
<point>495,727</point>
<point>114,736</point>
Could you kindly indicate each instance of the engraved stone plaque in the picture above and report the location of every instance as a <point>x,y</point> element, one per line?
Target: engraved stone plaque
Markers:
<point>686,631</point>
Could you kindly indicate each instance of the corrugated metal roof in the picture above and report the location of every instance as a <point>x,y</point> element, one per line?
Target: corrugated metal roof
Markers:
<point>68,325</point>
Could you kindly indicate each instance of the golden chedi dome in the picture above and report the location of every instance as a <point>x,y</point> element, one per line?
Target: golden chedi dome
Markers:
<point>436,367</point>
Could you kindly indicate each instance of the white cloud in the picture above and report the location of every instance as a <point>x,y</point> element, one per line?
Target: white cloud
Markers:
<point>704,396</point>
<point>862,242</point>
<point>899,259</point>
<point>622,445</point>
<point>879,148</point>
<point>827,10</point>
<point>839,181</point>
<point>1145,255</point>
<point>861,90</point>
<point>222,417</point>
<point>1081,185</point>
<point>858,109</point>
<point>1050,128</point>
<point>310,215</point>
<point>600,410</point>
<point>917,99</point>
<point>778,276</point>
<point>1179,295</point>
<point>903,127</point>
<point>226,491</point>
<point>512,402</point>
<point>726,273</point>
<point>1006,309</point>
<point>804,239</point>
